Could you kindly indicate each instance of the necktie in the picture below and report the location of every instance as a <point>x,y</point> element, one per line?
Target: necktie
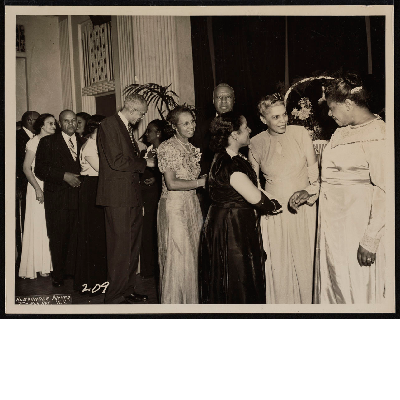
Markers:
<point>131,135</point>
<point>72,149</point>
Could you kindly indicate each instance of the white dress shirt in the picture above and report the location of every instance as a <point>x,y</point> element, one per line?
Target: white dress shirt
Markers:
<point>28,132</point>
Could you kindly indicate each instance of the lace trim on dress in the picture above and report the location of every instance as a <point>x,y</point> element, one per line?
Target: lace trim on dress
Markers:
<point>355,134</point>
<point>370,243</point>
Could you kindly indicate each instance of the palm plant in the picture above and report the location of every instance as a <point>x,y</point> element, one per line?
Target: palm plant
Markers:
<point>154,93</point>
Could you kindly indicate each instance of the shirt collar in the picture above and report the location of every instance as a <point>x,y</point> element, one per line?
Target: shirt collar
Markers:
<point>67,137</point>
<point>28,132</point>
<point>124,120</point>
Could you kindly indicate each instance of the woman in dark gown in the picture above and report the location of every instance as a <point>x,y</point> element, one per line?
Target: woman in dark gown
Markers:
<point>232,259</point>
<point>151,181</point>
<point>91,265</point>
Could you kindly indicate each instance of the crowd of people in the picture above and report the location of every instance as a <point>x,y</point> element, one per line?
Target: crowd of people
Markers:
<point>184,200</point>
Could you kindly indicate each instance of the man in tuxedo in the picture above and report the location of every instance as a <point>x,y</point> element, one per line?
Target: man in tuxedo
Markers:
<point>120,193</point>
<point>57,165</point>
<point>23,136</point>
<point>223,99</point>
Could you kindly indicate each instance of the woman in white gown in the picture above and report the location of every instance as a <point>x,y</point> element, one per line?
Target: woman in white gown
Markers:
<point>286,157</point>
<point>35,256</point>
<point>350,255</point>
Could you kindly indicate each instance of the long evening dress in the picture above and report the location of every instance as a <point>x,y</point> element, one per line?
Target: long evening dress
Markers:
<point>179,222</point>
<point>232,258</point>
<point>150,195</point>
<point>91,263</point>
<point>35,243</point>
<point>352,212</point>
<point>288,237</point>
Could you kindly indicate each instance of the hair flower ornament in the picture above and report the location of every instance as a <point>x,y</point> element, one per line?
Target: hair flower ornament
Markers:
<point>303,101</point>
<point>356,89</point>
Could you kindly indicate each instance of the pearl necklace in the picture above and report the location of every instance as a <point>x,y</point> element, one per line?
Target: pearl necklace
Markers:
<point>184,145</point>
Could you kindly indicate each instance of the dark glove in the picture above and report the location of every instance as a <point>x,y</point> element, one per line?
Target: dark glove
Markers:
<point>267,206</point>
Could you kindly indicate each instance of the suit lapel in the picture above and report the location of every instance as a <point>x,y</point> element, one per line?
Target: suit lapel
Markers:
<point>63,148</point>
<point>24,135</point>
<point>125,132</point>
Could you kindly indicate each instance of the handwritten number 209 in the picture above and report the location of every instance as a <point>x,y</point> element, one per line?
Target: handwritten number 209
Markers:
<point>96,287</point>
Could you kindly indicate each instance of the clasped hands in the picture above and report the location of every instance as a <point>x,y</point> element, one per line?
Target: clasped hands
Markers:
<point>72,179</point>
<point>298,198</point>
<point>202,180</point>
<point>150,159</point>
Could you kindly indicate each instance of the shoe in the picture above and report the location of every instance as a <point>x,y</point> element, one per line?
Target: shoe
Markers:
<point>43,275</point>
<point>57,283</point>
<point>136,298</point>
<point>124,302</point>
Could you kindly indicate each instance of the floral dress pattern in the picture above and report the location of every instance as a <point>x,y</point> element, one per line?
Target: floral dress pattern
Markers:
<point>179,222</point>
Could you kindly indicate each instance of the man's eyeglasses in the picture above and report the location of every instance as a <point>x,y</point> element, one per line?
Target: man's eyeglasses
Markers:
<point>142,113</point>
<point>229,97</point>
<point>189,123</point>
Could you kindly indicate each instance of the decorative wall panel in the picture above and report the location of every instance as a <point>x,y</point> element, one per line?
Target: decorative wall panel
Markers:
<point>65,65</point>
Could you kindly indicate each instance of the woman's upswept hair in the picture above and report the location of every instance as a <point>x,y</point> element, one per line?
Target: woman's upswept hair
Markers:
<point>37,126</point>
<point>269,101</point>
<point>161,126</point>
<point>83,115</point>
<point>221,128</point>
<point>349,86</point>
<point>93,123</point>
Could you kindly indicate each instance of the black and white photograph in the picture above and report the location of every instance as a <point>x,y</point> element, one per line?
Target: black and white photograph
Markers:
<point>200,160</point>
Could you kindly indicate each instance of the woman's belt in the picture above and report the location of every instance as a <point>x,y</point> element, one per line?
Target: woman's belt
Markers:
<point>231,204</point>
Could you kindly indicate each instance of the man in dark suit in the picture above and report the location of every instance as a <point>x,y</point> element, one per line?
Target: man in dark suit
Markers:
<point>23,136</point>
<point>57,165</point>
<point>120,193</point>
<point>223,99</point>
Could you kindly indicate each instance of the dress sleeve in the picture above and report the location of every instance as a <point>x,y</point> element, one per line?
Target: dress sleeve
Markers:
<point>375,153</point>
<point>312,170</point>
<point>256,147</point>
<point>91,149</point>
<point>222,169</point>
<point>168,158</point>
<point>32,145</point>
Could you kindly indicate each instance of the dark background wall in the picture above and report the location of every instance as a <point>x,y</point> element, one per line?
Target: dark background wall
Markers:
<point>248,53</point>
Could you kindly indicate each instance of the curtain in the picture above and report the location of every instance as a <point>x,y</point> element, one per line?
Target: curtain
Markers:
<point>202,68</point>
<point>250,55</point>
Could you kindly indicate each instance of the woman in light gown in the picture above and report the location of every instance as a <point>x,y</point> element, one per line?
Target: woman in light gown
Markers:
<point>35,256</point>
<point>179,218</point>
<point>231,269</point>
<point>285,155</point>
<point>350,256</point>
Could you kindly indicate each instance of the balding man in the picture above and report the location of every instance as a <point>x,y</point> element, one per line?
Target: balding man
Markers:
<point>57,165</point>
<point>223,99</point>
<point>23,136</point>
<point>120,193</point>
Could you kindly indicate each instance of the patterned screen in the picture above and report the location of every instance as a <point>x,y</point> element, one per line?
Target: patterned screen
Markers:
<point>20,38</point>
<point>97,54</point>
